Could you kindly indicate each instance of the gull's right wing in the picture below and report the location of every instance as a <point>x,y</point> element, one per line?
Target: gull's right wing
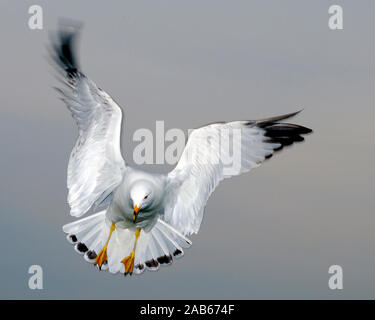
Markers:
<point>203,163</point>
<point>95,166</point>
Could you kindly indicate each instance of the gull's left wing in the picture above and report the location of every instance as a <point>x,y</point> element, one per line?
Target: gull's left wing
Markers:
<point>216,152</point>
<point>95,166</point>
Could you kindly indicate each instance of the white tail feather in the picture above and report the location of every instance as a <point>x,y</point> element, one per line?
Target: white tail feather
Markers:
<point>154,248</point>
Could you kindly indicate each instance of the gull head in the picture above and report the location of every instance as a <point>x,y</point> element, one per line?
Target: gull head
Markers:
<point>141,197</point>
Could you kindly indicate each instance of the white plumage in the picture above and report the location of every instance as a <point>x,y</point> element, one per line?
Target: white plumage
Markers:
<point>146,217</point>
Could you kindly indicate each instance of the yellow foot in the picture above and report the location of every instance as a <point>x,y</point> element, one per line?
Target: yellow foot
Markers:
<point>101,258</point>
<point>129,260</point>
<point>129,263</point>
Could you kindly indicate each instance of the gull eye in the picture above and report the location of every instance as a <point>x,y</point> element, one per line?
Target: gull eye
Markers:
<point>145,197</point>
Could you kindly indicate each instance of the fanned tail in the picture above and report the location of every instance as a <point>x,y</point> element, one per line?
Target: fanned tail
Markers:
<point>159,247</point>
<point>154,248</point>
<point>88,235</point>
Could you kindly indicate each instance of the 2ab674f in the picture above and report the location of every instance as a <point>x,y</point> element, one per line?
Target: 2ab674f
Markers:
<point>202,309</point>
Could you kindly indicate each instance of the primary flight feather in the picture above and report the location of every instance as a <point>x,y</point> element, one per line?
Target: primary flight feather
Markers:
<point>146,217</point>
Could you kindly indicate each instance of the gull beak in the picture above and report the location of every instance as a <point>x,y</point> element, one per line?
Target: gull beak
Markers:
<point>135,213</point>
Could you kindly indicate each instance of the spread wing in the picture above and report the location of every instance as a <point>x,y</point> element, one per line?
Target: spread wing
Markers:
<point>219,151</point>
<point>95,165</point>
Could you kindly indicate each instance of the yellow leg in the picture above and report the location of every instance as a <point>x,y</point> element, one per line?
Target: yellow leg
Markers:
<point>129,260</point>
<point>102,256</point>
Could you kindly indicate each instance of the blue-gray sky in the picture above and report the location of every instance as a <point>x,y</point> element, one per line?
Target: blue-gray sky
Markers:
<point>272,233</point>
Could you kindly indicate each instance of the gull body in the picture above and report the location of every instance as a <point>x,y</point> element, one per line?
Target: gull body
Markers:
<point>145,218</point>
<point>134,188</point>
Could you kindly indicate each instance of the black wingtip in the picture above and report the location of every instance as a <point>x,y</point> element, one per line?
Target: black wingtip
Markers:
<point>64,46</point>
<point>268,121</point>
<point>281,133</point>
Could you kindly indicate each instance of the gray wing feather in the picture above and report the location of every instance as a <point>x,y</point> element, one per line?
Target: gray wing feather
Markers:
<point>96,165</point>
<point>202,166</point>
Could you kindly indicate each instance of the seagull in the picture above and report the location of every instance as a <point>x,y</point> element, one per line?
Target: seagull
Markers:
<point>140,220</point>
